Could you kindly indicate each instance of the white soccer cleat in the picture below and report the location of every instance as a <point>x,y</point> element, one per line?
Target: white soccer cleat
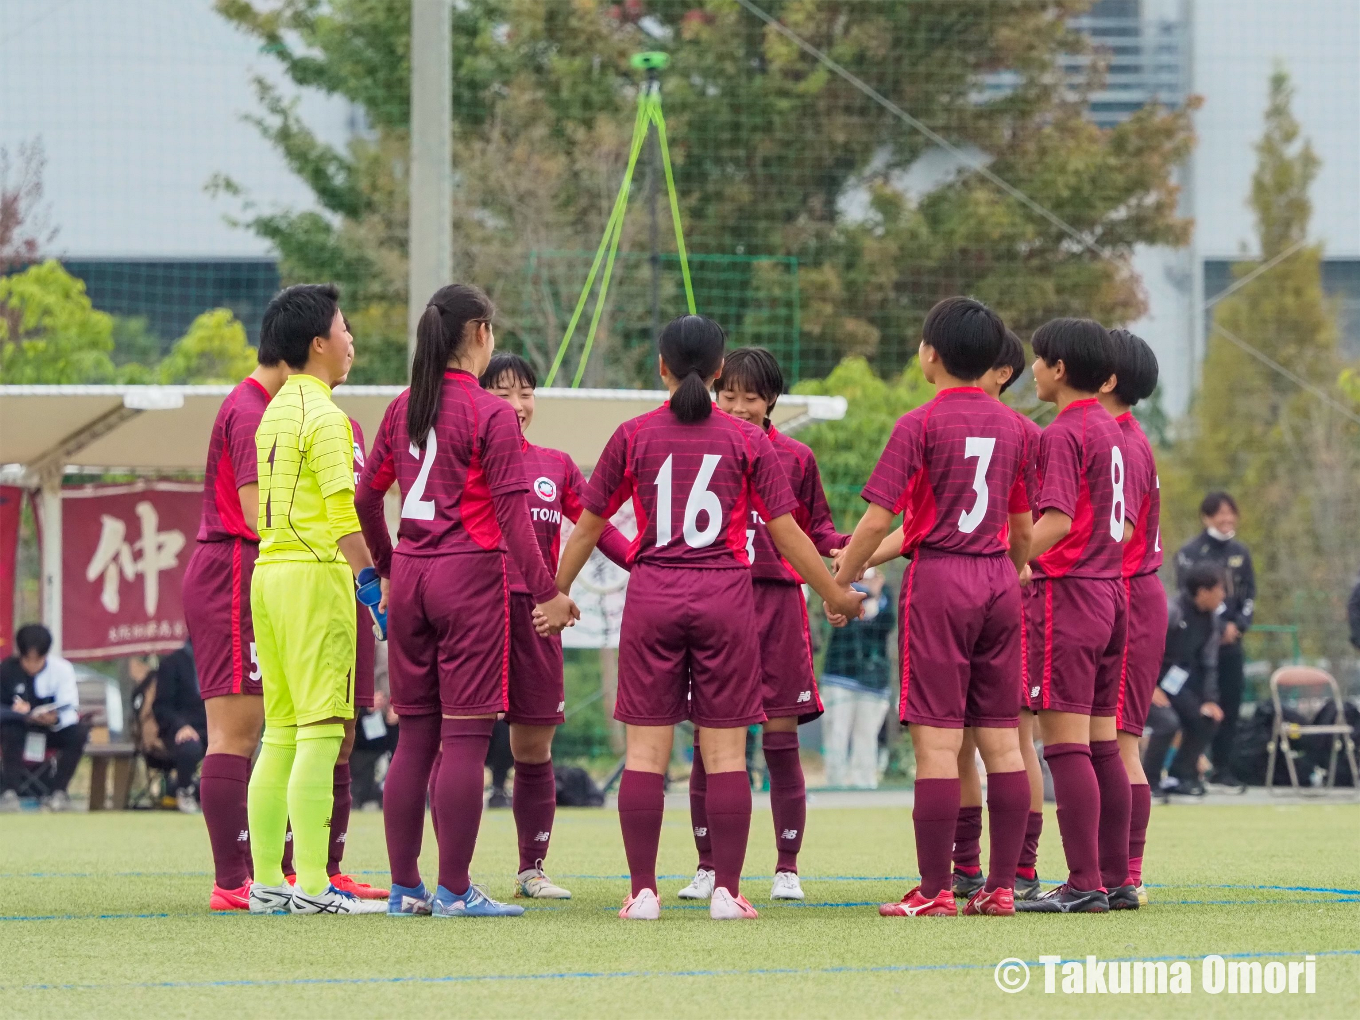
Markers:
<point>535,885</point>
<point>726,907</point>
<point>333,901</point>
<point>786,886</point>
<point>270,899</point>
<point>643,907</point>
<point>701,888</point>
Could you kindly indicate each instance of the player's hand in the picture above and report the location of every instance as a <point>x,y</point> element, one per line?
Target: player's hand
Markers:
<point>837,555</point>
<point>1211,711</point>
<point>1159,698</point>
<point>555,615</point>
<point>848,603</point>
<point>185,734</point>
<point>47,717</point>
<point>385,586</point>
<point>1231,634</point>
<point>21,706</point>
<point>1026,576</point>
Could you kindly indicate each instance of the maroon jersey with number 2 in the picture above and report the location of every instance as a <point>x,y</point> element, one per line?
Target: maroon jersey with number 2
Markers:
<point>685,645</point>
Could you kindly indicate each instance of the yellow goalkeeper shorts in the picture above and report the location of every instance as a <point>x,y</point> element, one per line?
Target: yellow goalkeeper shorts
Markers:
<point>305,638</point>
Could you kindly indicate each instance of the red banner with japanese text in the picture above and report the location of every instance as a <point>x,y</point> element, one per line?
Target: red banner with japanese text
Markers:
<point>124,550</point>
<point>11,503</point>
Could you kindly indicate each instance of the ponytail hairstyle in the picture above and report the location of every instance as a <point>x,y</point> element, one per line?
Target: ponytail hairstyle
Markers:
<point>440,336</point>
<point>692,348</point>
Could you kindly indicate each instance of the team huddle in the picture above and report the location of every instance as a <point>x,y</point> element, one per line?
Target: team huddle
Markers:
<point>1030,599</point>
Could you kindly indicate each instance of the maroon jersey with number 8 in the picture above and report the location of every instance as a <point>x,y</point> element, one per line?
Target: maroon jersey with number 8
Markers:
<point>693,485</point>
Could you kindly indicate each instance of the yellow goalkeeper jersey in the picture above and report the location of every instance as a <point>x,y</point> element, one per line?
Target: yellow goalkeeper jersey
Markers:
<point>305,448</point>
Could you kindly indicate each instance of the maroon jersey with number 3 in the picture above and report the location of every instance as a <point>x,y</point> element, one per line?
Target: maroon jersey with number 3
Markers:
<point>232,464</point>
<point>1143,552</point>
<point>693,486</point>
<point>955,466</point>
<point>1083,474</point>
<point>812,513</point>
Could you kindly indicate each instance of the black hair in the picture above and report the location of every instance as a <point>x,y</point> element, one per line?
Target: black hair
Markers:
<point>1082,345</point>
<point>692,348</point>
<point>755,370</point>
<point>1200,577</point>
<point>1135,367</point>
<point>440,335</point>
<point>1012,356</point>
<point>505,363</point>
<point>33,637</point>
<point>1213,503</point>
<point>294,316</point>
<point>966,334</point>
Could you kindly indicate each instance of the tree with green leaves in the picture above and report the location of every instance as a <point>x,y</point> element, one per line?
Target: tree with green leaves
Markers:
<point>50,332</point>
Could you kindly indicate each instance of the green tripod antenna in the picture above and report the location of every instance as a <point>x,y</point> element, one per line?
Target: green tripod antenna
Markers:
<point>648,114</point>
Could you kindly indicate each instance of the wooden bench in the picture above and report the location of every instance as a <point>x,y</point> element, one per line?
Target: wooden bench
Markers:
<point>123,756</point>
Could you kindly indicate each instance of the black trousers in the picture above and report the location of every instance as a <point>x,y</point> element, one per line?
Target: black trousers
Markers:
<point>186,757</point>
<point>1230,683</point>
<point>69,743</point>
<point>1196,730</point>
<point>499,758</point>
<point>363,761</point>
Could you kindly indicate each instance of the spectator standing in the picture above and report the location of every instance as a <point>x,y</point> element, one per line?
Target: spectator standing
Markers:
<point>182,720</point>
<point>375,735</point>
<point>38,713</point>
<point>1217,545</point>
<point>855,676</point>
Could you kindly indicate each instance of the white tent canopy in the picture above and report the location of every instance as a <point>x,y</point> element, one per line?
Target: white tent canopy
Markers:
<point>49,431</point>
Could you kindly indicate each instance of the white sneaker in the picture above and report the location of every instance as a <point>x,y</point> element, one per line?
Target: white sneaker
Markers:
<point>701,888</point>
<point>186,802</point>
<point>786,886</point>
<point>726,907</point>
<point>333,901</point>
<point>535,885</point>
<point>58,801</point>
<point>643,907</point>
<point>270,899</point>
<point>9,802</point>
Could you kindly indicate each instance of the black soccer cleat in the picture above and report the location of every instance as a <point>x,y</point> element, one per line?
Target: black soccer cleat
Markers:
<point>1027,888</point>
<point>1123,897</point>
<point>1066,900</point>
<point>965,885</point>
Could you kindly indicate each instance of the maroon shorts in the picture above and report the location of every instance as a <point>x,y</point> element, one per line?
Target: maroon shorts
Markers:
<point>960,641</point>
<point>1076,644</point>
<point>448,634</point>
<point>787,684</point>
<point>687,649</point>
<point>365,652</point>
<point>537,695</point>
<point>1143,648</point>
<point>1026,593</point>
<point>216,599</point>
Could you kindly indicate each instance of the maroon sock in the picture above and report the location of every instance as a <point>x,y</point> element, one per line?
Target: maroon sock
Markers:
<point>698,810</point>
<point>286,864</point>
<point>968,840</point>
<point>534,803</point>
<point>222,795</point>
<point>344,800</point>
<point>729,819</point>
<point>429,790</point>
<point>458,791</point>
<point>1141,810</point>
<point>934,816</point>
<point>408,778</point>
<point>1007,815</point>
<point>642,802</point>
<point>788,795</point>
<point>1078,795</point>
<point>1115,810</point>
<point>1029,854</point>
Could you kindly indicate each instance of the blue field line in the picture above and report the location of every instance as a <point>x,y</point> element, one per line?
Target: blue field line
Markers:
<point>588,974</point>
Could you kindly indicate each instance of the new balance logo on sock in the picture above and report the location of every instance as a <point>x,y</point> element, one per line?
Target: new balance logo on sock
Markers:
<point>789,834</point>
<point>701,831</point>
<point>542,837</point>
<point>804,696</point>
<point>244,837</point>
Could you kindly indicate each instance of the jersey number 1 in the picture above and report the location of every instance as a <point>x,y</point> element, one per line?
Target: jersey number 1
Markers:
<point>981,448</point>
<point>700,500</point>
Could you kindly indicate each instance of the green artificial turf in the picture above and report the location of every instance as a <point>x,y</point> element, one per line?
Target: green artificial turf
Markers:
<point>106,915</point>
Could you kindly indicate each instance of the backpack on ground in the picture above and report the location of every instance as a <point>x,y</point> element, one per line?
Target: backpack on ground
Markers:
<point>575,788</point>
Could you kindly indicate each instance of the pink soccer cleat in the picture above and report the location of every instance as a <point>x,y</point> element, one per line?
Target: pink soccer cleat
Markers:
<point>230,899</point>
<point>347,883</point>
<point>726,907</point>
<point>643,907</point>
<point>915,905</point>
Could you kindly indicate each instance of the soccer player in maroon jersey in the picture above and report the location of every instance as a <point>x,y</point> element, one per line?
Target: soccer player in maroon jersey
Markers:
<point>1135,379</point>
<point>217,612</point>
<point>537,691</point>
<point>956,466</point>
<point>686,649</point>
<point>455,450</point>
<point>1076,616</point>
<point>748,388</point>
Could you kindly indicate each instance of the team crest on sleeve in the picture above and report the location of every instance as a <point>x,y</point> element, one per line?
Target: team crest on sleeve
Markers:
<point>546,488</point>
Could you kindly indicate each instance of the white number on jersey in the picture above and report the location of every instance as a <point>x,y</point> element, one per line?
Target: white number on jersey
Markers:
<point>982,449</point>
<point>700,500</point>
<point>751,545</point>
<point>1117,503</point>
<point>254,663</point>
<point>1157,542</point>
<point>415,506</point>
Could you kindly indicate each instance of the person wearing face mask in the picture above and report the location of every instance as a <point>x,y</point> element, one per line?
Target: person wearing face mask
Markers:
<point>1219,546</point>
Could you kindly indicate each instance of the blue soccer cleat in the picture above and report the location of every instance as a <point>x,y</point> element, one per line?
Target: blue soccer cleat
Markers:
<point>473,903</point>
<point>408,901</point>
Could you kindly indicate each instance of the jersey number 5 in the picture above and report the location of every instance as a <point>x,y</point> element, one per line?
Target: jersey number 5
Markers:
<point>1117,503</point>
<point>981,448</point>
<point>415,506</point>
<point>700,500</point>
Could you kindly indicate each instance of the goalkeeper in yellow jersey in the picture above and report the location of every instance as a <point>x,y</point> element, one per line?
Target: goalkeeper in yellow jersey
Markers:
<point>302,600</point>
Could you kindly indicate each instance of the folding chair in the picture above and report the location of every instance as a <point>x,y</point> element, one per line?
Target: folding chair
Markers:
<point>1297,680</point>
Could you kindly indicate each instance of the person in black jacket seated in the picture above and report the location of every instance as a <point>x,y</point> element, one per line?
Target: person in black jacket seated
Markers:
<point>1187,693</point>
<point>182,720</point>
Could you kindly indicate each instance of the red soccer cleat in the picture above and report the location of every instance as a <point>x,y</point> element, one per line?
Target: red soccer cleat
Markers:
<point>991,903</point>
<point>346,883</point>
<point>230,899</point>
<point>915,905</point>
